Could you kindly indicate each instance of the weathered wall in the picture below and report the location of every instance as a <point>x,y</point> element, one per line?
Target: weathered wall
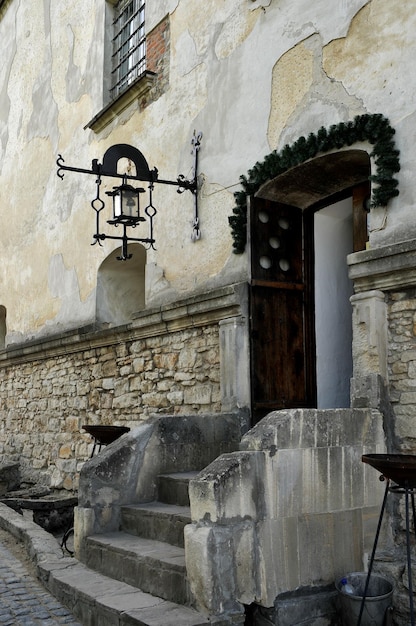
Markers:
<point>185,358</point>
<point>294,509</point>
<point>384,350</point>
<point>251,75</point>
<point>384,314</point>
<point>402,365</point>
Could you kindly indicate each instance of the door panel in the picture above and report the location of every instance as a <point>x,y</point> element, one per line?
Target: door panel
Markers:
<point>281,357</point>
<point>278,375</point>
<point>360,195</point>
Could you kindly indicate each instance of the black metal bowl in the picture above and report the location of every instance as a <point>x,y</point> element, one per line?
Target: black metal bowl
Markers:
<point>400,468</point>
<point>106,434</point>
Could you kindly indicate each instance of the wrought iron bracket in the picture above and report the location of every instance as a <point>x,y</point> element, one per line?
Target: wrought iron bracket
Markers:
<point>108,168</point>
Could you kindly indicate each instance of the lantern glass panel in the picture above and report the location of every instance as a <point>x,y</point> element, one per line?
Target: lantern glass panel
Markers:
<point>117,205</point>
<point>130,203</point>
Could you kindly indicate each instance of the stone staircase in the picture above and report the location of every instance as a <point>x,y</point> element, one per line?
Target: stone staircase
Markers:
<point>146,557</point>
<point>148,551</point>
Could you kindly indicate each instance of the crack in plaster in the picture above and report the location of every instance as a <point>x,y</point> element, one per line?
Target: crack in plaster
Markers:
<point>327,45</point>
<point>324,93</point>
<point>73,74</point>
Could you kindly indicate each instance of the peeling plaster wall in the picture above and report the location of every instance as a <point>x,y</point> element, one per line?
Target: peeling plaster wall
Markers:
<point>251,76</point>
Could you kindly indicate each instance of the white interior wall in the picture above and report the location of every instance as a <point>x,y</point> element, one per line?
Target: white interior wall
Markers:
<point>333,325</point>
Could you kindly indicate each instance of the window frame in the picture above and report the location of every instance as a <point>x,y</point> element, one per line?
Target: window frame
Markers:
<point>137,87</point>
<point>128,45</point>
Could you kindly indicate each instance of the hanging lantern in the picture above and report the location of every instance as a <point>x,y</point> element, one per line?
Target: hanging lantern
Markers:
<point>126,205</point>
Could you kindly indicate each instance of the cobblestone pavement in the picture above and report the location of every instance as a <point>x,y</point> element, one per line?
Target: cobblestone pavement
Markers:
<point>23,600</point>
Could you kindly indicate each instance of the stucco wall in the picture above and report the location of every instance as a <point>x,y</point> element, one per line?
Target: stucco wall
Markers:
<point>250,75</point>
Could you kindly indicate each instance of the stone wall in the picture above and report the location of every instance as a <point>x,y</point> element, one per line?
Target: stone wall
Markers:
<point>167,361</point>
<point>384,323</point>
<point>385,282</point>
<point>44,403</point>
<point>402,366</point>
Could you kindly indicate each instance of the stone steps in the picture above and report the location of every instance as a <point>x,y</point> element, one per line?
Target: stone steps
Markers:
<point>147,557</point>
<point>152,566</point>
<point>98,600</point>
<point>173,488</point>
<point>156,520</point>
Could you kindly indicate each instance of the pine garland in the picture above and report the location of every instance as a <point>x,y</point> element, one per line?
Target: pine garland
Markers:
<point>373,128</point>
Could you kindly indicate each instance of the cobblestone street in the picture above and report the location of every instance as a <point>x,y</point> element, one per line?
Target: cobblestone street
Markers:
<point>23,600</point>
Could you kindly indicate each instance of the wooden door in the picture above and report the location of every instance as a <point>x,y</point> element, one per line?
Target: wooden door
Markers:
<point>282,341</point>
<point>360,199</point>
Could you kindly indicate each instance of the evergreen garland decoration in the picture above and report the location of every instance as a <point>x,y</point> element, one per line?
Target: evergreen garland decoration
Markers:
<point>374,128</point>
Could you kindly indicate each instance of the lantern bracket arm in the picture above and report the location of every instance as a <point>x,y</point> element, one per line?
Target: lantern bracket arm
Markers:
<point>97,169</point>
<point>108,168</point>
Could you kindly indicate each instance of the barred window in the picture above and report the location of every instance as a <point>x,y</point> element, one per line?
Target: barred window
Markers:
<point>129,45</point>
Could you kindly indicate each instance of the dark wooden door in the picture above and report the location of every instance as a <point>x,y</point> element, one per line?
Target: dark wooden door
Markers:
<point>281,310</point>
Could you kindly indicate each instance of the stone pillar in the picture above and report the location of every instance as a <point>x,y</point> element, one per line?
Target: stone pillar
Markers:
<point>369,345</point>
<point>369,348</point>
<point>234,364</point>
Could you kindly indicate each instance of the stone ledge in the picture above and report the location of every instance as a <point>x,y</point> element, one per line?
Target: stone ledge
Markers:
<point>110,112</point>
<point>205,309</point>
<point>385,268</point>
<point>40,545</point>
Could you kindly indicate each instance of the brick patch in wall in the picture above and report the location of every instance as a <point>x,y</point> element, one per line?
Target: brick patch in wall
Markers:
<point>158,60</point>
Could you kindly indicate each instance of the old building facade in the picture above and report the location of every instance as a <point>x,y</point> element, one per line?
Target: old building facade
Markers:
<point>284,281</point>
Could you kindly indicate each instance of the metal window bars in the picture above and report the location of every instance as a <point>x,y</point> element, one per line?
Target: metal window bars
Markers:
<point>129,45</point>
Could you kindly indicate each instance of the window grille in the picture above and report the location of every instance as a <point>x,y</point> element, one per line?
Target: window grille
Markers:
<point>129,45</point>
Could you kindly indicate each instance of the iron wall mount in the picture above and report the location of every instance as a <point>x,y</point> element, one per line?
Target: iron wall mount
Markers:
<point>108,169</point>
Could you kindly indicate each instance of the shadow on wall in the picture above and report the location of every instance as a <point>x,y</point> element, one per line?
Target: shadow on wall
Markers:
<point>121,287</point>
<point>3,328</point>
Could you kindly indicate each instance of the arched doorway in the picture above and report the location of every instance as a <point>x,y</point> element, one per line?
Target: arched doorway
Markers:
<point>302,224</point>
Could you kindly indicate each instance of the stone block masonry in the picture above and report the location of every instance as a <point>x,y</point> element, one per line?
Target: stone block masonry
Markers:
<point>44,403</point>
<point>167,361</point>
<point>402,366</point>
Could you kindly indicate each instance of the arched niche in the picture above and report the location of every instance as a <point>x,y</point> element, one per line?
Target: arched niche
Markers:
<point>121,287</point>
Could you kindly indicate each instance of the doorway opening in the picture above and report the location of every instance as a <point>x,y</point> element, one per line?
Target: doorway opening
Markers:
<point>333,241</point>
<point>302,226</point>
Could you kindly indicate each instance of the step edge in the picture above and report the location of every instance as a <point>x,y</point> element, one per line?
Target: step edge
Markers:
<point>175,560</point>
<point>64,586</point>
<point>158,506</point>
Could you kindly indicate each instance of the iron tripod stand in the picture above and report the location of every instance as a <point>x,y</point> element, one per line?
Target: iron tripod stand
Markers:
<point>409,493</point>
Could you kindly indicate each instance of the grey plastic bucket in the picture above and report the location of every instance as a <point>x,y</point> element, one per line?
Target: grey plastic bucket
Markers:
<point>377,601</point>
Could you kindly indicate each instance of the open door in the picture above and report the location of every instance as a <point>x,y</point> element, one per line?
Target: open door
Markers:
<point>282,347</point>
<point>283,339</point>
